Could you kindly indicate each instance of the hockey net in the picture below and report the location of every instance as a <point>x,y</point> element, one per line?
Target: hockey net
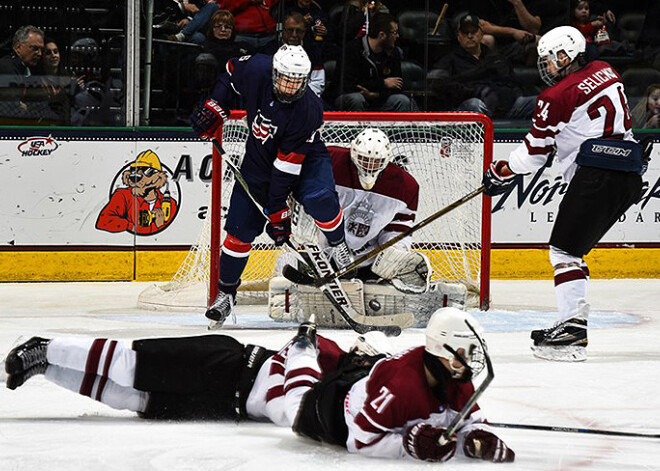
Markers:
<point>447,153</point>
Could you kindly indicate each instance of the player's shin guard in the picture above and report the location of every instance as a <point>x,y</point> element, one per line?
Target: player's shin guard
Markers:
<point>570,282</point>
<point>233,259</point>
<point>103,390</point>
<point>301,370</point>
<point>107,358</point>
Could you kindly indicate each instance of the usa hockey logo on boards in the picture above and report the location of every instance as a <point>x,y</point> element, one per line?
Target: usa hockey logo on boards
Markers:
<point>263,128</point>
<point>38,146</point>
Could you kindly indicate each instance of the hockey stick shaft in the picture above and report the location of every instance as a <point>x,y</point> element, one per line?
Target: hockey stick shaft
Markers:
<point>467,408</point>
<point>376,250</point>
<point>327,287</point>
<point>552,428</point>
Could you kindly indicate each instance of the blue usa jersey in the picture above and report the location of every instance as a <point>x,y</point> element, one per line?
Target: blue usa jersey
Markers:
<point>282,135</point>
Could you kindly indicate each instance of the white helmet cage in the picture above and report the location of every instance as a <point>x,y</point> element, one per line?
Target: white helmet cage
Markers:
<point>448,327</point>
<point>370,152</point>
<point>291,70</point>
<point>566,39</point>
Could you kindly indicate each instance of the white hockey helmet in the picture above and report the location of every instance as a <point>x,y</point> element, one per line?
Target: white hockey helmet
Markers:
<point>371,151</point>
<point>563,39</point>
<point>372,343</point>
<point>291,69</point>
<point>447,332</point>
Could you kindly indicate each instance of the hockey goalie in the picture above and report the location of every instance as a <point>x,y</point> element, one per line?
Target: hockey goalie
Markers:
<point>379,200</point>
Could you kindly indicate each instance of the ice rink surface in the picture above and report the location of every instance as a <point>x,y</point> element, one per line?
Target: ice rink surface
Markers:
<point>44,427</point>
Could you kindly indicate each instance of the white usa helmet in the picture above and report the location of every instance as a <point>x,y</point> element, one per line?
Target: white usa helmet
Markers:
<point>371,151</point>
<point>566,39</point>
<point>448,327</point>
<point>291,69</point>
<point>372,343</point>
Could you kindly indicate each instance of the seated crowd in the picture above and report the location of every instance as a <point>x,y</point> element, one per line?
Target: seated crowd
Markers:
<point>365,55</point>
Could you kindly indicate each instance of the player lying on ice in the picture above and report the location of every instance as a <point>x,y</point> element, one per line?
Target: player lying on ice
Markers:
<point>402,407</point>
<point>284,155</point>
<point>201,377</point>
<point>582,121</point>
<point>395,409</point>
<point>379,199</point>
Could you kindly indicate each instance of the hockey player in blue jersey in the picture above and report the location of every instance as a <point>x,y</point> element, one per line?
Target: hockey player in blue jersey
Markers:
<point>284,155</point>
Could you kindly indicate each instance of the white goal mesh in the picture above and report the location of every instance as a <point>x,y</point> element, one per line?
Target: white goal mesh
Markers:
<point>445,152</point>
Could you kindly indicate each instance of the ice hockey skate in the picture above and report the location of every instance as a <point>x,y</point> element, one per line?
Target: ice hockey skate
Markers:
<point>565,341</point>
<point>220,310</point>
<point>26,356</point>
<point>18,379</point>
<point>306,336</point>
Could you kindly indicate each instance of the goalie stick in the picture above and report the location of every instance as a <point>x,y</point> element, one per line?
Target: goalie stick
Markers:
<point>332,288</point>
<point>296,276</point>
<point>467,408</point>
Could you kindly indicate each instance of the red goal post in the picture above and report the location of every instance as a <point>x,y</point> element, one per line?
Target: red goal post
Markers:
<point>447,152</point>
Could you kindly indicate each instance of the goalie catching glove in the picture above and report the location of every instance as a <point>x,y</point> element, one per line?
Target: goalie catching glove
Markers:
<point>487,446</point>
<point>422,441</point>
<point>498,178</point>
<point>409,272</point>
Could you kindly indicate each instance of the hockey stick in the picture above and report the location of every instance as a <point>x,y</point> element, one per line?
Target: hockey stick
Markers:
<point>296,276</point>
<point>552,428</point>
<point>467,408</point>
<point>331,289</point>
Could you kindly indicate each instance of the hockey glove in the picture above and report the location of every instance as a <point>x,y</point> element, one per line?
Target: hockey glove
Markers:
<point>497,180</point>
<point>206,119</point>
<point>487,446</point>
<point>422,441</point>
<point>279,226</point>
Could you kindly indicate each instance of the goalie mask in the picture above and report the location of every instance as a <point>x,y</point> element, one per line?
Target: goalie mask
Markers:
<point>449,337</point>
<point>558,50</point>
<point>291,69</point>
<point>370,152</point>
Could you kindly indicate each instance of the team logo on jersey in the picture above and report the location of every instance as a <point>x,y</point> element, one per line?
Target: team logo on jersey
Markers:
<point>263,128</point>
<point>360,218</point>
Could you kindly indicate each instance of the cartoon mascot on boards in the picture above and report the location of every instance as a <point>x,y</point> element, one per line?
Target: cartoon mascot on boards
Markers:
<point>141,207</point>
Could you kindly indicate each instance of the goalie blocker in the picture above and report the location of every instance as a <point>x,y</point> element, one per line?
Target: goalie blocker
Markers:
<point>290,302</point>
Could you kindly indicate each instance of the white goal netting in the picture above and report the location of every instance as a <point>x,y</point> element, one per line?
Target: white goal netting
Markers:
<point>445,152</point>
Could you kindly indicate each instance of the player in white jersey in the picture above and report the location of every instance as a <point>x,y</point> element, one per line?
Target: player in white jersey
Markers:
<point>403,407</point>
<point>209,377</point>
<point>583,120</point>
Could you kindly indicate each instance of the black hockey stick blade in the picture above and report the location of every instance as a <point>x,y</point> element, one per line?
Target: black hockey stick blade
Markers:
<point>296,276</point>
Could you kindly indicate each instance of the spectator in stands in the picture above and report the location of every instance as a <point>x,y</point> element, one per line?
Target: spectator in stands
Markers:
<point>646,114</point>
<point>317,23</point>
<point>20,94</point>
<point>294,33</point>
<point>221,39</point>
<point>357,16</point>
<point>371,71</point>
<point>515,24</point>
<point>474,78</point>
<point>253,22</point>
<point>598,31</point>
<point>193,30</point>
<point>58,84</point>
